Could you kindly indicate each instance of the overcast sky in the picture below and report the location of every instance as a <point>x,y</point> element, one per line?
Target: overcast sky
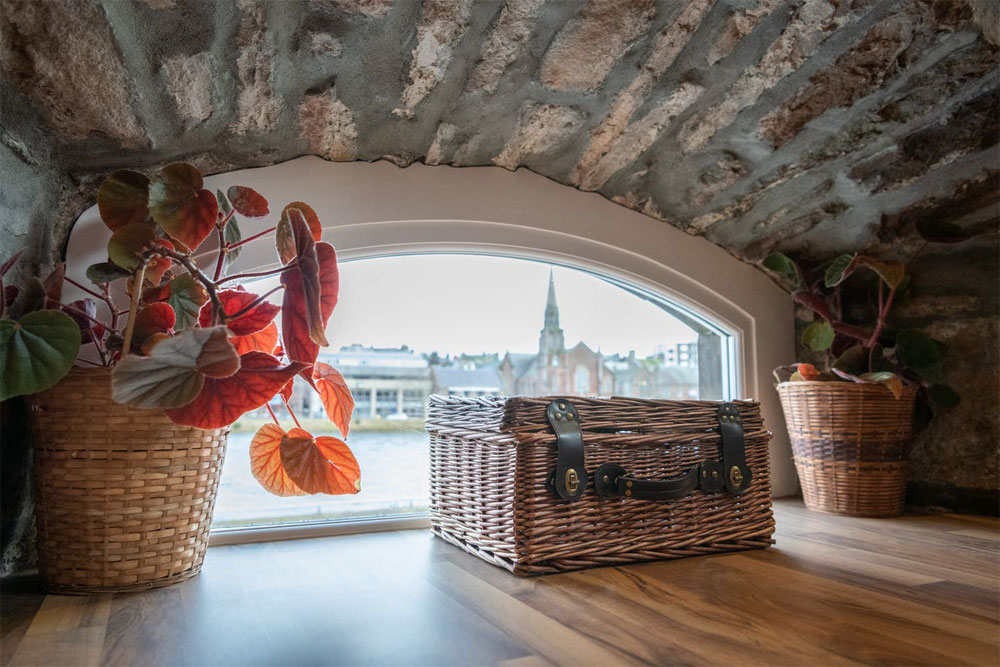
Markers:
<point>465,303</point>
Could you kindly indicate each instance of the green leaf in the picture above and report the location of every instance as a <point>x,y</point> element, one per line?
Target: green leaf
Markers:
<point>783,265</point>
<point>891,272</point>
<point>180,205</point>
<point>128,243</point>
<point>224,206</point>
<point>37,351</point>
<point>187,296</point>
<point>917,352</point>
<point>818,336</point>
<point>838,270</point>
<point>940,231</point>
<point>943,396</point>
<point>123,199</point>
<point>853,361</point>
<point>174,372</point>
<point>105,272</point>
<point>890,380</point>
<point>232,234</point>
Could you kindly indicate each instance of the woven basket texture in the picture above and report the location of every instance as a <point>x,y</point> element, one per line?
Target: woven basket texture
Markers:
<point>124,496</point>
<point>491,457</point>
<point>849,442</point>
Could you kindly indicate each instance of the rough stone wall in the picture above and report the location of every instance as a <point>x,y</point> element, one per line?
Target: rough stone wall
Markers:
<point>811,126</point>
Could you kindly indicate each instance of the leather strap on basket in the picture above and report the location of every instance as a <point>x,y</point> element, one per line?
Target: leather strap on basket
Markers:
<point>732,474</point>
<point>570,477</point>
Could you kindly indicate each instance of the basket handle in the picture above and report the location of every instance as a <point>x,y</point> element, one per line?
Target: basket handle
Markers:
<point>569,479</point>
<point>613,481</point>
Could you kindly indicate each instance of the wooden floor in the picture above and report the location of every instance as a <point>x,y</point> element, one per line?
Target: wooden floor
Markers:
<point>833,590</point>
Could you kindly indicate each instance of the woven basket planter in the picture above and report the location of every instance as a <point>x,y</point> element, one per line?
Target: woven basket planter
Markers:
<point>849,442</point>
<point>491,459</point>
<point>124,496</point>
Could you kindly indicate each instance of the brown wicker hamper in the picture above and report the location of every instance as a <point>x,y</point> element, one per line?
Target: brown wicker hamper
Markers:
<point>494,488</point>
<point>849,442</point>
<point>124,496</point>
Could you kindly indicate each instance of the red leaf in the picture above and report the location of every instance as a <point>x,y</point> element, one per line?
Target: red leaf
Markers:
<point>123,198</point>
<point>294,331</point>
<point>154,318</point>
<point>247,201</point>
<point>808,372</point>
<point>152,341</point>
<point>260,341</point>
<point>154,294</point>
<point>222,401</point>
<point>335,394</point>
<point>284,239</point>
<point>179,204</point>
<point>320,465</point>
<point>235,300</point>
<point>157,267</point>
<point>265,462</point>
<point>286,391</point>
<point>54,283</point>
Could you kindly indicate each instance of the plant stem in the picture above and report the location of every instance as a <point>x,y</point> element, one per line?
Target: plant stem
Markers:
<point>92,363</point>
<point>185,261</point>
<point>88,291</point>
<point>222,251</point>
<point>256,302</point>
<point>251,238</point>
<point>289,408</point>
<point>133,309</point>
<point>79,312</point>
<point>260,274</point>
<point>268,406</point>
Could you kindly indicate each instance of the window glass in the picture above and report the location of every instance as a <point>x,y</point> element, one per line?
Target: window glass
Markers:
<point>468,325</point>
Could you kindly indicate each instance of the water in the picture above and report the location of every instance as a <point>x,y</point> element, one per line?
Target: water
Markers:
<point>394,480</point>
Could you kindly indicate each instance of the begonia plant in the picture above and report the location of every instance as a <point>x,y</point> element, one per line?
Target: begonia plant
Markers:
<point>195,341</point>
<point>868,353</point>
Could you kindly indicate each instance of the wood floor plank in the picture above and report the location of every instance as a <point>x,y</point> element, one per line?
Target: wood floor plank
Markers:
<point>67,630</point>
<point>916,624</point>
<point>546,637</point>
<point>834,590</point>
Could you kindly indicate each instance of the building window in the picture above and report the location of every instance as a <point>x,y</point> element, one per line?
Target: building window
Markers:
<point>581,380</point>
<point>507,327</point>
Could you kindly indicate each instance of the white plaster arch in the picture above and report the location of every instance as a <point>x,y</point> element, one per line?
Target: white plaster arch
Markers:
<point>378,209</point>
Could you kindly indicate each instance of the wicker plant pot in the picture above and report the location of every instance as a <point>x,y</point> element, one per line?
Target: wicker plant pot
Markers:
<point>124,496</point>
<point>849,442</point>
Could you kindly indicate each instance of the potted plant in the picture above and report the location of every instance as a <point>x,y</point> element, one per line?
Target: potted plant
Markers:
<point>851,420</point>
<point>130,436</point>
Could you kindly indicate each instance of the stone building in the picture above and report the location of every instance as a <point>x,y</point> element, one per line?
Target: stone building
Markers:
<point>581,371</point>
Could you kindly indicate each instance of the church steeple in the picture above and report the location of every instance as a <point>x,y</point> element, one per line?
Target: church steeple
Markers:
<point>551,307</point>
<point>551,340</point>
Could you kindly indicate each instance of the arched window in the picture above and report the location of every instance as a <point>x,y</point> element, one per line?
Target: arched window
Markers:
<point>457,262</point>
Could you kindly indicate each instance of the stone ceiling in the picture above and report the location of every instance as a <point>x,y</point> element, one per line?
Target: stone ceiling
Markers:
<point>813,126</point>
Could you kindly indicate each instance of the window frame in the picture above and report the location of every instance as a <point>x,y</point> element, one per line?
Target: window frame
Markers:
<point>377,210</point>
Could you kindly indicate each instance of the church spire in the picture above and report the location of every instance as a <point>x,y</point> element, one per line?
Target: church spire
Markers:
<point>551,307</point>
<point>550,341</point>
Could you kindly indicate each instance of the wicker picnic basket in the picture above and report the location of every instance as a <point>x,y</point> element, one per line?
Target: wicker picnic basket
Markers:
<point>849,442</point>
<point>541,485</point>
<point>124,496</point>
